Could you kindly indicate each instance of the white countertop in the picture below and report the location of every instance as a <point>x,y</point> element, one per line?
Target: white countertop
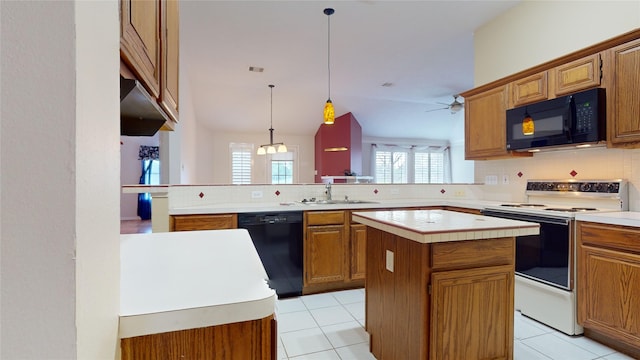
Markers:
<point>182,280</point>
<point>624,218</point>
<point>298,206</point>
<point>429,226</point>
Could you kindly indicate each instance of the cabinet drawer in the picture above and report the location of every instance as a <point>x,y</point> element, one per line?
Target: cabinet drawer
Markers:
<point>472,253</point>
<point>609,236</point>
<point>325,217</point>
<point>204,222</point>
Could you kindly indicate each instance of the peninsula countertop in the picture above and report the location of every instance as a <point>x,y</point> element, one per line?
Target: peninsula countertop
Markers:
<point>183,280</point>
<point>429,226</point>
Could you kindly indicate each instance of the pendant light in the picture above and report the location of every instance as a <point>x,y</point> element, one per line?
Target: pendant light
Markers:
<point>329,113</point>
<point>270,148</point>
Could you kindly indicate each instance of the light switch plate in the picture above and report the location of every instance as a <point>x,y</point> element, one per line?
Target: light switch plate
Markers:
<point>390,260</point>
<point>256,194</point>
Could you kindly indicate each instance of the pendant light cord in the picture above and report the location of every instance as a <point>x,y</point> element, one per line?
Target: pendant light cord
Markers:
<point>329,53</point>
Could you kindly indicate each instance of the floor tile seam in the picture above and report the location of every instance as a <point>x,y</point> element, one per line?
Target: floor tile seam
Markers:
<point>315,352</point>
<point>536,350</point>
<point>562,336</point>
<point>301,329</point>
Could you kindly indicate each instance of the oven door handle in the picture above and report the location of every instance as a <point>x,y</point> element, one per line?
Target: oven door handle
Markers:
<point>528,217</point>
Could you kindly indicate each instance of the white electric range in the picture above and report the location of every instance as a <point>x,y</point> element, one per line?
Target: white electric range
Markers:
<point>545,263</point>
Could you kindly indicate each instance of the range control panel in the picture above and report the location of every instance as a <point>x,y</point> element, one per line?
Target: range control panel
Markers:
<point>576,186</point>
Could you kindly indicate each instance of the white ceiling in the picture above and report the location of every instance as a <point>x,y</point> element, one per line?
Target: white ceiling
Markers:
<point>423,48</point>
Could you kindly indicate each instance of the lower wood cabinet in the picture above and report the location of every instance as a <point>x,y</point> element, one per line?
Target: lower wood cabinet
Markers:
<point>449,300</point>
<point>357,251</point>
<point>325,252</point>
<point>253,339</point>
<point>203,222</point>
<point>609,284</point>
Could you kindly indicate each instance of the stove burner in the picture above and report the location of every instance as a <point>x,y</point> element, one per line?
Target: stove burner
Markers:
<point>523,205</point>
<point>574,209</point>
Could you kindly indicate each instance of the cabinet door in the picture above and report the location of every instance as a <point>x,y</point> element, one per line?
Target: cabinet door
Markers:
<point>577,75</point>
<point>469,319</point>
<point>170,59</point>
<point>203,222</point>
<point>530,89</point>
<point>140,41</point>
<point>485,124</point>
<point>609,281</point>
<point>325,254</point>
<point>623,94</point>
<point>358,237</point>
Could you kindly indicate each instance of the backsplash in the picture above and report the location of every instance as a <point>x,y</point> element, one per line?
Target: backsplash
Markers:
<point>205,195</point>
<point>597,163</point>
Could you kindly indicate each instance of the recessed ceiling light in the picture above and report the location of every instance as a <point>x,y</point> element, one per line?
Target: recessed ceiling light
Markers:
<point>256,69</point>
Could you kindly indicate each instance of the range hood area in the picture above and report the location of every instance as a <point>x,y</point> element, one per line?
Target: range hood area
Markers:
<point>140,114</point>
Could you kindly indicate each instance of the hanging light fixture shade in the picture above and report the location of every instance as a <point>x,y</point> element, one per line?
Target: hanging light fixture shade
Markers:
<point>329,112</point>
<point>270,148</point>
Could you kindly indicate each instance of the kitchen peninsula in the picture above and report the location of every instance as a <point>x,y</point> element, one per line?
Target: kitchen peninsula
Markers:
<point>197,295</point>
<point>440,284</point>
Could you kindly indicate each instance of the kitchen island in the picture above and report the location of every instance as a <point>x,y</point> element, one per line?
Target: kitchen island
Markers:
<point>440,284</point>
<point>195,295</point>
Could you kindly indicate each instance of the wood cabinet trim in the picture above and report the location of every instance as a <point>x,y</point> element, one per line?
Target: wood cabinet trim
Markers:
<point>596,48</point>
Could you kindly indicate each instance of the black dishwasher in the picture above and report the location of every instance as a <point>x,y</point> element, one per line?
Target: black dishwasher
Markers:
<point>278,240</point>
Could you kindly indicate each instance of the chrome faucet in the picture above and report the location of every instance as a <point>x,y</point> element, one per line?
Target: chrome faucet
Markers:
<point>328,190</point>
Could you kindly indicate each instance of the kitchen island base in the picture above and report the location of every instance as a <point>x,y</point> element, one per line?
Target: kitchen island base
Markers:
<point>254,339</point>
<point>444,300</point>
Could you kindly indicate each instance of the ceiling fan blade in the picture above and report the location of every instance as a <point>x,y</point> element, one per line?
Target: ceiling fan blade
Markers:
<point>444,108</point>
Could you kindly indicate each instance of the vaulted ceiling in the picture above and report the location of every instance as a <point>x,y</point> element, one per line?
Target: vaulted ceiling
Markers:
<point>391,62</point>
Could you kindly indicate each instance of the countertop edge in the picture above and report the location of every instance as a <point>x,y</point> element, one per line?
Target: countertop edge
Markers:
<point>454,234</point>
<point>155,323</point>
<point>622,218</point>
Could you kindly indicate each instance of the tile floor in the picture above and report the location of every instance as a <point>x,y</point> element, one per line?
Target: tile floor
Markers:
<point>331,326</point>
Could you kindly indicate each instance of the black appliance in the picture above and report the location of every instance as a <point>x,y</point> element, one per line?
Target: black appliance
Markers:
<point>545,257</point>
<point>278,240</point>
<point>572,119</point>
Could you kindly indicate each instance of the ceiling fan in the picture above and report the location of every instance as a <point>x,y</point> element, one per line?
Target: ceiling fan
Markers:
<point>454,107</point>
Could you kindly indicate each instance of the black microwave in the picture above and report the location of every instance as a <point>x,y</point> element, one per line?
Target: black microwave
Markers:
<point>572,119</point>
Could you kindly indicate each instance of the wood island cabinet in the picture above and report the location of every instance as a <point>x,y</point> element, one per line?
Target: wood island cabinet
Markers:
<point>623,95</point>
<point>203,222</point>
<point>449,300</point>
<point>609,284</point>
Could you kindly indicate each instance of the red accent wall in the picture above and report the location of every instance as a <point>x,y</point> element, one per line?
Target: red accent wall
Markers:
<point>345,132</point>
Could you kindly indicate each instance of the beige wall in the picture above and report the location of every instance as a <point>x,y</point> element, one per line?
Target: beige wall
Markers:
<point>534,32</point>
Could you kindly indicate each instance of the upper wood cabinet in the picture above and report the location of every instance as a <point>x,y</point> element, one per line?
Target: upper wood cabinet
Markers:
<point>577,75</point>
<point>530,89</point>
<point>170,59</point>
<point>485,124</point>
<point>140,41</point>
<point>623,95</point>
<point>149,46</point>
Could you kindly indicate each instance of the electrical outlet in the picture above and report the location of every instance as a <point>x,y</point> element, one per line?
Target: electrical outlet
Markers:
<point>256,194</point>
<point>389,262</point>
<point>459,193</point>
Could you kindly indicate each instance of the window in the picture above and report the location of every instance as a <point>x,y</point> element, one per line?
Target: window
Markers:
<point>241,163</point>
<point>153,177</point>
<point>428,167</point>
<point>411,164</point>
<point>282,170</point>
<point>391,167</point>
